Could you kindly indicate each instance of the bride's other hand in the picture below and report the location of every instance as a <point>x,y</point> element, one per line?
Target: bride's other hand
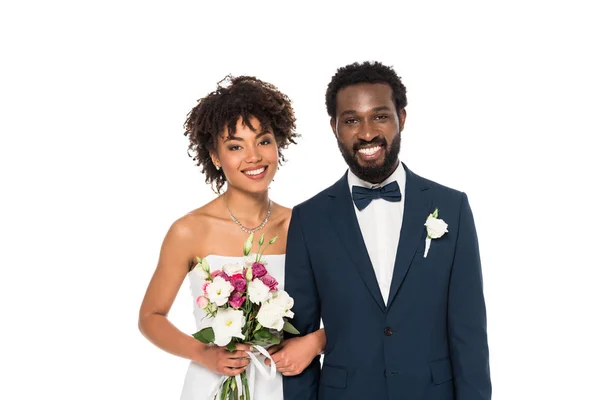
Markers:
<point>224,362</point>
<point>293,355</point>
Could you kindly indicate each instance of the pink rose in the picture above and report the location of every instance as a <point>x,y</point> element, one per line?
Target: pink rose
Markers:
<point>202,301</point>
<point>270,282</point>
<point>238,282</point>
<point>258,270</point>
<point>236,300</point>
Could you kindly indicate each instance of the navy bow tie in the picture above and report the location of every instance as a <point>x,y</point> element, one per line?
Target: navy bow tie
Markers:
<point>363,196</point>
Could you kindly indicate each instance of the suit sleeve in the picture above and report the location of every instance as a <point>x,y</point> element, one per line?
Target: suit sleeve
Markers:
<point>467,326</point>
<point>300,284</point>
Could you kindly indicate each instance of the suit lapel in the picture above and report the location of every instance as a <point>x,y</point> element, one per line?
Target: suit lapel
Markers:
<point>345,222</point>
<point>417,206</point>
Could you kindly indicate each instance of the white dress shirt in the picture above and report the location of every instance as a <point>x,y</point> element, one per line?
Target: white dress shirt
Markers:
<point>380,224</point>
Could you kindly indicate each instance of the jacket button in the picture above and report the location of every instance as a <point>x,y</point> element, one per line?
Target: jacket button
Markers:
<point>388,331</point>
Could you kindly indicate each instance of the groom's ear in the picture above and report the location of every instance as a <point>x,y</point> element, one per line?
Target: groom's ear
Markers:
<point>332,123</point>
<point>401,119</point>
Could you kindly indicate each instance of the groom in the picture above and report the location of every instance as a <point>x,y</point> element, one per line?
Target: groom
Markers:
<point>401,302</point>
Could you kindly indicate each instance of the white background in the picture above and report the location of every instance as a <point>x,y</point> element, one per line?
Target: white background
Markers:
<point>502,104</point>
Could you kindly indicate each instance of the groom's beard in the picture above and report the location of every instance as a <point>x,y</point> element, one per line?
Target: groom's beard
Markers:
<point>372,173</point>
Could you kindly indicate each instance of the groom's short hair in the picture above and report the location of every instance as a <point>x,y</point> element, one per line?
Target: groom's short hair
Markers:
<point>366,72</point>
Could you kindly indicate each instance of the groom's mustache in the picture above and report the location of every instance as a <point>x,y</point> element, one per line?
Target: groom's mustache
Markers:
<point>375,142</point>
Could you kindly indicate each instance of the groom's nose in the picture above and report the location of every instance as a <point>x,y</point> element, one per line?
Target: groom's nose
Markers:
<point>367,131</point>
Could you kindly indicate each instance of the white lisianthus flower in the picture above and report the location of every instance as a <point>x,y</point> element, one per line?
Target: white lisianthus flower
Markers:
<point>228,323</point>
<point>218,291</point>
<point>232,269</point>
<point>270,316</point>
<point>258,291</point>
<point>283,300</point>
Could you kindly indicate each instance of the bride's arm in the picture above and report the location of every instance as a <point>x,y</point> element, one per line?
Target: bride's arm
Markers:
<point>295,354</point>
<point>172,268</point>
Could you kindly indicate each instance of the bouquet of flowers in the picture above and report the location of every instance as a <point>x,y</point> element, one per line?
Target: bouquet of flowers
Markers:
<point>246,307</point>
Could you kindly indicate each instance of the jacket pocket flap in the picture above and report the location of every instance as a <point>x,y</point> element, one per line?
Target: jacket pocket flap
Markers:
<point>333,376</point>
<point>441,371</point>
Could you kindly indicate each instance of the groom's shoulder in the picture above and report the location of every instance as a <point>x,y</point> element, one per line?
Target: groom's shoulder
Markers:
<point>436,187</point>
<point>438,191</point>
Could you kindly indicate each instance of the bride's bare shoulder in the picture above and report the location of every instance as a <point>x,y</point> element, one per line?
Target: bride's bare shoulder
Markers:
<point>197,223</point>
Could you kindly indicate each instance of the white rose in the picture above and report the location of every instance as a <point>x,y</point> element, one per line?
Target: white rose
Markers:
<point>270,316</point>
<point>227,324</point>
<point>218,291</point>
<point>257,291</point>
<point>232,269</point>
<point>283,300</point>
<point>435,227</point>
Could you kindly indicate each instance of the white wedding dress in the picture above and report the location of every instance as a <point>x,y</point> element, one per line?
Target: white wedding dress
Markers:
<point>200,382</point>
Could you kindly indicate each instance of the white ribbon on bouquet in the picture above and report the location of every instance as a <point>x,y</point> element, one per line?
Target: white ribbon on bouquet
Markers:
<point>255,364</point>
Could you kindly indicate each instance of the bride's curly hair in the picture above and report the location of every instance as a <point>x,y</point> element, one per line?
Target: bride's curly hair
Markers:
<point>218,113</point>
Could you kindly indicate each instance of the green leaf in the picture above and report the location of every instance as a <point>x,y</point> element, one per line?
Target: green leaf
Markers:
<point>261,240</point>
<point>289,328</point>
<point>262,333</point>
<point>273,240</point>
<point>435,213</point>
<point>198,260</point>
<point>264,337</point>
<point>231,346</point>
<point>206,335</point>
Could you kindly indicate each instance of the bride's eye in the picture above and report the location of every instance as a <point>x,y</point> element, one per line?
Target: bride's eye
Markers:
<point>234,147</point>
<point>265,142</point>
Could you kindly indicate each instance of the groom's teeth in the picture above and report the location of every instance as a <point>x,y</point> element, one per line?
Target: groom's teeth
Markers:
<point>370,150</point>
<point>255,171</point>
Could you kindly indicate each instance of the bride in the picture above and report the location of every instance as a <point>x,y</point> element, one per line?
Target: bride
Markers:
<point>237,134</point>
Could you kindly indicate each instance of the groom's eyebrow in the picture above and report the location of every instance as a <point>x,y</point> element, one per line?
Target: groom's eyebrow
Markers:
<point>348,112</point>
<point>376,109</point>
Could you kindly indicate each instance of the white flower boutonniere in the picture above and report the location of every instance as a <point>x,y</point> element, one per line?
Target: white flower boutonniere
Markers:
<point>436,228</point>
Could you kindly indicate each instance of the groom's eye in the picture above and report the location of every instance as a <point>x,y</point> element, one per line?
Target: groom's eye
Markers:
<point>350,121</point>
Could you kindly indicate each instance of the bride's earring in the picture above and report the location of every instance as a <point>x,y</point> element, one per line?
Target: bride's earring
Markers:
<point>217,167</point>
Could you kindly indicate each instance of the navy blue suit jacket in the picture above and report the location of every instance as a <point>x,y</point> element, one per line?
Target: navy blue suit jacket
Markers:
<point>429,342</point>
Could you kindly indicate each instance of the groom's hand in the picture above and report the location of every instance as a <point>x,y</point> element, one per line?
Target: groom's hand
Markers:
<point>293,355</point>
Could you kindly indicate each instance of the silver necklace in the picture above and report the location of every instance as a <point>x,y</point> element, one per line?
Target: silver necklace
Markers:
<point>251,230</point>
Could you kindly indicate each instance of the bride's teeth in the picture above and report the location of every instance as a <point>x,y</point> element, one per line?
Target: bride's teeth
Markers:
<point>370,151</point>
<point>255,172</point>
